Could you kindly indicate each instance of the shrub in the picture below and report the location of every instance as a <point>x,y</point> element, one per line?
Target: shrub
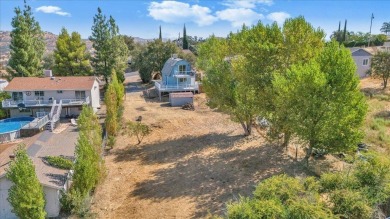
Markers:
<point>350,204</point>
<point>59,162</point>
<point>280,187</point>
<point>306,209</point>
<point>138,129</point>
<point>247,208</point>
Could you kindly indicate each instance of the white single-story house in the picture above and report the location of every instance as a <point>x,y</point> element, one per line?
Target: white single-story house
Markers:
<point>52,179</point>
<point>30,95</point>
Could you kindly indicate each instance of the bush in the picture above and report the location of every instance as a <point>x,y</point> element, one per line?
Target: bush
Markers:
<point>350,204</point>
<point>247,208</point>
<point>280,187</point>
<point>305,209</point>
<point>59,162</point>
<point>138,129</point>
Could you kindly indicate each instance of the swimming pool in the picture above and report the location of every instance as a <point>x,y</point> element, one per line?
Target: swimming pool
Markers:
<point>13,124</point>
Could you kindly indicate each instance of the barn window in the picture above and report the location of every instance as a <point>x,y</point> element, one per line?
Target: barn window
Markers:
<point>365,61</point>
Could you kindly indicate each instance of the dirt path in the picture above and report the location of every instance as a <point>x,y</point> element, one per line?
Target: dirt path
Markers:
<point>189,167</point>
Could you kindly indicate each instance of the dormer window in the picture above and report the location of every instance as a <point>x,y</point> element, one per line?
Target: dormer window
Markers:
<point>182,68</point>
<point>59,92</point>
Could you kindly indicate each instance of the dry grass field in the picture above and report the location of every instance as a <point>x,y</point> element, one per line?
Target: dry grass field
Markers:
<point>191,165</point>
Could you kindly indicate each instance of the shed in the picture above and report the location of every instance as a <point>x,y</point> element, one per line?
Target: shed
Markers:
<point>180,99</point>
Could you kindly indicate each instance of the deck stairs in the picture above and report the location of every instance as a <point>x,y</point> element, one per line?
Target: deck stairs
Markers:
<point>54,115</point>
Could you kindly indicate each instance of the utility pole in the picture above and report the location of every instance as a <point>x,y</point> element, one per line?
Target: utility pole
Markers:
<point>372,17</point>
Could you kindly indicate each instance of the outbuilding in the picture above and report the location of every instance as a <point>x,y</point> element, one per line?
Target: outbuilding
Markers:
<point>180,99</point>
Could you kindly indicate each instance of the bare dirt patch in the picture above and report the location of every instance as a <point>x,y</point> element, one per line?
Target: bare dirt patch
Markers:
<point>189,167</point>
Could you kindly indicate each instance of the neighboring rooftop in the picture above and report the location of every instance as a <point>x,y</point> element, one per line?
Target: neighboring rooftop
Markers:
<point>45,144</point>
<point>51,83</point>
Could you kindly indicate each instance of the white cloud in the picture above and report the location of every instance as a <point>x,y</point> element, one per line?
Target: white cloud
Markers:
<point>279,17</point>
<point>246,3</point>
<point>52,10</point>
<point>239,16</point>
<point>179,12</point>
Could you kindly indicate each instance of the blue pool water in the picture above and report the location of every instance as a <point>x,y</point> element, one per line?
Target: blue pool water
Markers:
<point>9,125</point>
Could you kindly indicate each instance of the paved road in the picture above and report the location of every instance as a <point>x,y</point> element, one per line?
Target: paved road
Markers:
<point>130,74</point>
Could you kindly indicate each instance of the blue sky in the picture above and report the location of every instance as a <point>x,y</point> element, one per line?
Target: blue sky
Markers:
<point>201,17</point>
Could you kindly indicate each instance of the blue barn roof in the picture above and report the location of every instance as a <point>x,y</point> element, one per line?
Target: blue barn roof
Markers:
<point>169,65</point>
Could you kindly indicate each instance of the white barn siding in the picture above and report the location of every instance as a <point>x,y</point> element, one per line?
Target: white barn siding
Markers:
<point>5,207</point>
<point>359,56</point>
<point>95,96</point>
<point>52,198</point>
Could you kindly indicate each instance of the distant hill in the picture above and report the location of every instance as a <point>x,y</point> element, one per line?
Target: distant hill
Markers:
<point>50,39</point>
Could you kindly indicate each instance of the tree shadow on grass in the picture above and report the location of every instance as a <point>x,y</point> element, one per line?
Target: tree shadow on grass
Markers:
<point>212,180</point>
<point>383,114</point>
<point>171,150</point>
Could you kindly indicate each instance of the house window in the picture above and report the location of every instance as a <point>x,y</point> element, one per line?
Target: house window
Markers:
<point>80,95</point>
<point>181,80</point>
<point>59,91</point>
<point>182,68</point>
<point>17,96</point>
<point>39,95</point>
<point>365,62</point>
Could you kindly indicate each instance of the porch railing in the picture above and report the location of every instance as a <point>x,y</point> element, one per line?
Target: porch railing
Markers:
<point>27,103</point>
<point>160,86</point>
<point>190,73</point>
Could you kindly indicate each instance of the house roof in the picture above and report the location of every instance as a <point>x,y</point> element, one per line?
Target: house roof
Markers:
<point>51,83</point>
<point>40,146</point>
<point>368,51</point>
<point>169,64</point>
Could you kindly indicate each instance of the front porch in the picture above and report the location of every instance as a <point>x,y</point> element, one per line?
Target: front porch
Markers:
<point>43,103</point>
<point>161,88</point>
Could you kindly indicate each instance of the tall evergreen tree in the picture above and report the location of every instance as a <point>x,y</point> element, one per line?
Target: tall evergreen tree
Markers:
<point>345,31</point>
<point>27,45</point>
<point>100,39</point>
<point>185,40</point>
<point>160,36</point>
<point>111,51</point>
<point>26,194</point>
<point>71,57</point>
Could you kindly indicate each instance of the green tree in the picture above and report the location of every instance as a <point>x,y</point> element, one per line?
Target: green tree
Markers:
<point>27,45</point>
<point>385,28</point>
<point>48,61</point>
<point>88,167</point>
<point>26,193</point>
<point>239,70</point>
<point>160,35</point>
<point>111,101</point>
<point>129,42</point>
<point>185,40</point>
<point>380,66</point>
<point>70,55</point>
<point>3,96</point>
<point>153,57</point>
<point>326,108</point>
<point>111,51</point>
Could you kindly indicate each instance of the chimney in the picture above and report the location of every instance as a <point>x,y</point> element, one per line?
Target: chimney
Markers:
<point>174,56</point>
<point>47,73</point>
<point>12,156</point>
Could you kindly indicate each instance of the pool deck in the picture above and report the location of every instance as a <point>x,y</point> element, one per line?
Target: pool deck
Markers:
<point>44,144</point>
